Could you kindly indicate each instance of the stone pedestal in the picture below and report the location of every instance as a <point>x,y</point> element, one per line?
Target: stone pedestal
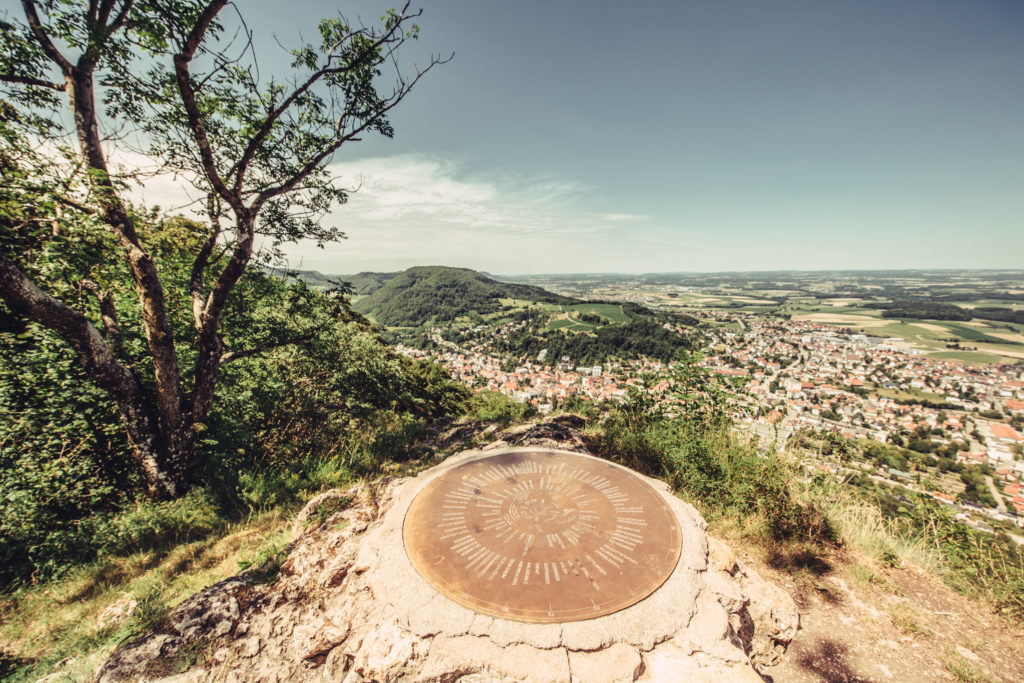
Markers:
<point>350,606</point>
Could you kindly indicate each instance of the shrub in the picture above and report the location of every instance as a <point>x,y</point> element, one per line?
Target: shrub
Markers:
<point>492,406</point>
<point>724,476</point>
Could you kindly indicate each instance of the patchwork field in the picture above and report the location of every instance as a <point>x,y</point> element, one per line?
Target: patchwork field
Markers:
<point>568,317</point>
<point>847,299</point>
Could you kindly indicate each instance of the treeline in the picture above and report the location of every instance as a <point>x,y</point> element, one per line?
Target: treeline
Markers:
<point>922,309</point>
<point>934,310</point>
<point>998,313</point>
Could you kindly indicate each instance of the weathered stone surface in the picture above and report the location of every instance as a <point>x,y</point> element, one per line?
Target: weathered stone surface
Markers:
<point>128,663</point>
<point>318,637</point>
<point>348,606</point>
<point>669,662</point>
<point>452,657</point>
<point>117,612</point>
<point>721,556</point>
<point>210,613</point>
<point>619,662</point>
<point>774,619</point>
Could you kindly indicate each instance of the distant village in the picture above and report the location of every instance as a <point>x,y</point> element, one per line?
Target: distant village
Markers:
<point>792,376</point>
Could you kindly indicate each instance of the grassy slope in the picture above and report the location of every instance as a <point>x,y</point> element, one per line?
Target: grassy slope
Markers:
<point>740,497</point>
<point>43,625</point>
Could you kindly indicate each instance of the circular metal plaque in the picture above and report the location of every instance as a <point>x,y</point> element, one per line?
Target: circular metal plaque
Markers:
<point>542,536</point>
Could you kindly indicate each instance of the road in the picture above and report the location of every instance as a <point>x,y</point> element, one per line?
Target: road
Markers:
<point>1000,505</point>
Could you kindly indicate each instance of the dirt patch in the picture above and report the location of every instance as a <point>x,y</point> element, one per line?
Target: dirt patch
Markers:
<point>860,624</point>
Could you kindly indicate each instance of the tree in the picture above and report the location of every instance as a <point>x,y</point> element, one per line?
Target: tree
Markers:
<point>168,78</point>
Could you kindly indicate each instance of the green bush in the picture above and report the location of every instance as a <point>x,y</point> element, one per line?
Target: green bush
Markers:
<point>696,453</point>
<point>63,460</point>
<point>300,418</point>
<point>492,406</point>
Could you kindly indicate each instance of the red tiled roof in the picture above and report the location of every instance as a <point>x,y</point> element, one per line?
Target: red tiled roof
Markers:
<point>1001,431</point>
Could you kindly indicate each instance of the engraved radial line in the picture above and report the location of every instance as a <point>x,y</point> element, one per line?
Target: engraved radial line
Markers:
<point>541,536</point>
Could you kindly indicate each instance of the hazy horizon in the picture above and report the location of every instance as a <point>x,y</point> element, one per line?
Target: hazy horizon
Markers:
<point>682,272</point>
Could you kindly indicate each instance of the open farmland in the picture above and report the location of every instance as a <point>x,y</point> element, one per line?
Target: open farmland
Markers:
<point>848,300</point>
<point>569,317</point>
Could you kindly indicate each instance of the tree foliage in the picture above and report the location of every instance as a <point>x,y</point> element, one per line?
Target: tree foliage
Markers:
<point>340,399</point>
<point>175,81</point>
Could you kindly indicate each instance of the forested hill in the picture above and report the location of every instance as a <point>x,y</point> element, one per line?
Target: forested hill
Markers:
<point>313,278</point>
<point>360,283</point>
<point>441,293</point>
<point>367,282</point>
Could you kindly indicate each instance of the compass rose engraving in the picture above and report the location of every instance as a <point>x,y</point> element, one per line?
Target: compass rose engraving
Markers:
<point>542,536</point>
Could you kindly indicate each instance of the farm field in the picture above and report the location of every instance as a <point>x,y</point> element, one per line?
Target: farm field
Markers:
<point>845,299</point>
<point>985,344</point>
<point>568,317</point>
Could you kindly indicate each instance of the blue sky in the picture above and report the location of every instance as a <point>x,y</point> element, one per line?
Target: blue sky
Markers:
<point>588,136</point>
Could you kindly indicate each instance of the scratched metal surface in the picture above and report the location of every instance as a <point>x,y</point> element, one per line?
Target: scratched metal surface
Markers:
<point>543,537</point>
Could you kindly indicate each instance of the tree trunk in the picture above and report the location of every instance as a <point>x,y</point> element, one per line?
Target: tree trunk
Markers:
<point>161,458</point>
<point>161,454</point>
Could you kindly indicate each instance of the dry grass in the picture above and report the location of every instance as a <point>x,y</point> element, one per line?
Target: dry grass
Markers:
<point>58,626</point>
<point>864,527</point>
<point>962,669</point>
<point>907,620</point>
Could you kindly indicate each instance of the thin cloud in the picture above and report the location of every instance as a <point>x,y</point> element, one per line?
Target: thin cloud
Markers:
<point>624,217</point>
<point>398,188</point>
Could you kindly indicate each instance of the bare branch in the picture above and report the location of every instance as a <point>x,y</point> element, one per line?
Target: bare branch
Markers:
<point>202,258</point>
<point>268,124</point>
<point>106,7</point>
<point>329,150</point>
<point>44,40</point>
<point>108,314</point>
<point>23,296</point>
<point>25,80</point>
<point>120,19</point>
<point>188,99</point>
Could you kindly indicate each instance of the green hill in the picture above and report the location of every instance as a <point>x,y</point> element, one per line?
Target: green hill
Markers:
<point>427,293</point>
<point>313,278</point>
<point>366,282</point>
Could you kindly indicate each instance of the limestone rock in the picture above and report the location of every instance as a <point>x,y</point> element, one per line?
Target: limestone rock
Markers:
<point>348,606</point>
<point>334,497</point>
<point>141,656</point>
<point>117,612</point>
<point>620,662</point>
<point>773,619</point>
<point>721,556</point>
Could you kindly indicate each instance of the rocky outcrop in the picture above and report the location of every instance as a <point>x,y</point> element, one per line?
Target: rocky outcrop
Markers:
<point>348,606</point>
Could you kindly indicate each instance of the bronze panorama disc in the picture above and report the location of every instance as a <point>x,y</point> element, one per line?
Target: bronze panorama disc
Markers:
<point>542,536</point>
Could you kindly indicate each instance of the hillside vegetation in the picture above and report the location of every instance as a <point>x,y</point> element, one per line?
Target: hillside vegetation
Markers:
<point>803,526</point>
<point>642,333</point>
<point>366,282</point>
<point>439,293</point>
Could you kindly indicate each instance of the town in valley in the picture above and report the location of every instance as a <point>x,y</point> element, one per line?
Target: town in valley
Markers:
<point>898,382</point>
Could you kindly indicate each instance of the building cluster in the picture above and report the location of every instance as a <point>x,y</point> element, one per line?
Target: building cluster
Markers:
<point>536,382</point>
<point>793,375</point>
<point>796,375</point>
